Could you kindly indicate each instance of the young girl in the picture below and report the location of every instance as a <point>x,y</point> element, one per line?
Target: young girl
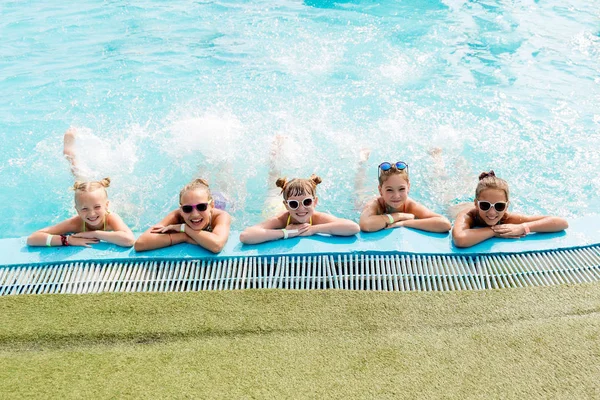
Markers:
<point>489,212</point>
<point>196,221</point>
<point>393,208</point>
<point>93,222</point>
<point>299,217</point>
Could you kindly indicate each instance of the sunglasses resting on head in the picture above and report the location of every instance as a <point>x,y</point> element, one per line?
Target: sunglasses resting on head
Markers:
<point>386,166</point>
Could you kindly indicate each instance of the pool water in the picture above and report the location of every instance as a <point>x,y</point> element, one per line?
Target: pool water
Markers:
<point>163,90</point>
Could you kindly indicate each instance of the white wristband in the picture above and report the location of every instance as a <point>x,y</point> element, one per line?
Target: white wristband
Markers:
<point>285,233</point>
<point>390,218</point>
<point>526,229</point>
<point>49,240</point>
<point>182,228</point>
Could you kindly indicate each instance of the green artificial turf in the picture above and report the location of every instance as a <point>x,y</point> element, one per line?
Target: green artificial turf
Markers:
<point>515,343</point>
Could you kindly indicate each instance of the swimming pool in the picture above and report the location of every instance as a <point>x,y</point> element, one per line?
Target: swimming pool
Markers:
<point>158,88</point>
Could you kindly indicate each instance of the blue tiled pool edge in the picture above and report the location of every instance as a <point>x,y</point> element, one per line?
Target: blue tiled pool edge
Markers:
<point>582,232</point>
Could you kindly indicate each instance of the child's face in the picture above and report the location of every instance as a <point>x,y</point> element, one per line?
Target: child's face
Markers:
<point>492,196</point>
<point>197,220</point>
<point>306,207</point>
<point>92,206</point>
<point>394,191</point>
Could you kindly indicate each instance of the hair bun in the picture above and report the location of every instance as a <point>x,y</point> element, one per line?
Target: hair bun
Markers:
<point>105,182</point>
<point>316,179</point>
<point>281,182</point>
<point>484,175</point>
<point>199,181</point>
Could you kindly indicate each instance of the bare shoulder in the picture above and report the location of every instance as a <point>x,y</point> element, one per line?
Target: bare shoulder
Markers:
<point>221,216</point>
<point>373,207</point>
<point>322,218</point>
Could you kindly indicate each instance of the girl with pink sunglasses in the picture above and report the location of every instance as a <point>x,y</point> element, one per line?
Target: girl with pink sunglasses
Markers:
<point>489,213</point>
<point>197,221</point>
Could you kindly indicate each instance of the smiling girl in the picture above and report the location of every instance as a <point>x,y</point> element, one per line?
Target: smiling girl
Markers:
<point>197,221</point>
<point>93,222</point>
<point>300,217</point>
<point>489,213</point>
<point>393,208</point>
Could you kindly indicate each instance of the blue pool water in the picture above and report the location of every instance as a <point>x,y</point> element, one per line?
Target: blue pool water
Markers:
<point>161,89</point>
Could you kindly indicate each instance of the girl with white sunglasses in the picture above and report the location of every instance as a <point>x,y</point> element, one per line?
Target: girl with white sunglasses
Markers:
<point>300,217</point>
<point>490,213</point>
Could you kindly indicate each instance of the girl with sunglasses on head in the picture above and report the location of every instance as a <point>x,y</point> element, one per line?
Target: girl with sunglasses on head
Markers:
<point>93,222</point>
<point>197,221</point>
<point>393,208</point>
<point>300,217</point>
<point>490,213</point>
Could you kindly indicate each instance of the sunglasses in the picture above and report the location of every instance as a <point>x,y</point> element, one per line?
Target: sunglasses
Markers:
<point>188,208</point>
<point>386,166</point>
<point>486,205</point>
<point>294,204</point>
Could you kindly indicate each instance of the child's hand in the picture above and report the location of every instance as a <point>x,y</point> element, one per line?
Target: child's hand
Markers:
<point>81,241</point>
<point>405,217</point>
<point>511,231</point>
<point>396,224</point>
<point>165,229</point>
<point>86,235</point>
<point>298,230</point>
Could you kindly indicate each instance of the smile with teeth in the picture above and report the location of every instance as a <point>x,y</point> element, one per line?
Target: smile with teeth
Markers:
<point>196,221</point>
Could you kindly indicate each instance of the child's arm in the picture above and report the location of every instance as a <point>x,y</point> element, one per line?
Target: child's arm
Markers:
<point>271,229</point>
<point>152,239</point>
<point>425,219</point>
<point>327,223</point>
<point>464,236</point>
<point>120,235</point>
<point>50,236</point>
<point>520,225</point>
<point>212,241</point>
<point>372,221</point>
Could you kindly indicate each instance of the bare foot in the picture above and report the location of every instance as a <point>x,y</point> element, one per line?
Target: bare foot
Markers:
<point>276,156</point>
<point>69,143</point>
<point>364,154</point>
<point>69,149</point>
<point>435,152</point>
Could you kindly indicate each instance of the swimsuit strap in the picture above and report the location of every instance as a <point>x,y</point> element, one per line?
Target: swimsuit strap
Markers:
<point>290,220</point>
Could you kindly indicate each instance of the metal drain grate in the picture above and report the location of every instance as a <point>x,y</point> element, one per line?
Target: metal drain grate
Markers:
<point>349,272</point>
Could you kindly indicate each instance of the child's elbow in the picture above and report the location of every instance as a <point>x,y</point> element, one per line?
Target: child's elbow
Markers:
<point>140,245</point>
<point>244,237</point>
<point>563,224</point>
<point>445,226</point>
<point>460,241</point>
<point>366,227</point>
<point>354,229</point>
<point>129,242</point>
<point>216,247</point>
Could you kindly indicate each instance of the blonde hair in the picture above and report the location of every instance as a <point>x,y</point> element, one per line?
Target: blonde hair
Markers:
<point>384,175</point>
<point>90,186</point>
<point>489,180</point>
<point>198,183</point>
<point>298,186</point>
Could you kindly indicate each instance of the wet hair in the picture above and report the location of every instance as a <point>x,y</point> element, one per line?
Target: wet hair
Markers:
<point>90,186</point>
<point>489,180</point>
<point>298,186</point>
<point>198,183</point>
<point>384,175</point>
